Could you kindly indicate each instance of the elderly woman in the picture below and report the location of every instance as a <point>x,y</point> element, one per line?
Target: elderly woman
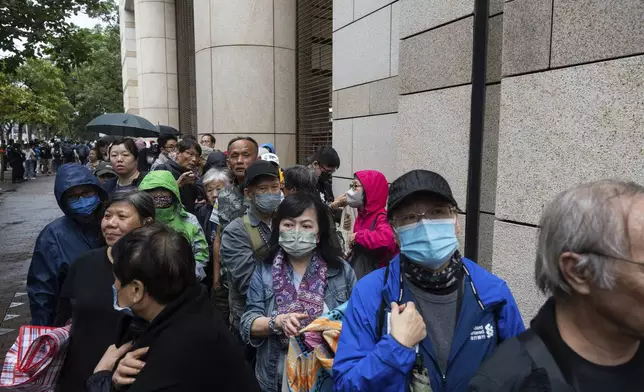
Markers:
<point>123,157</point>
<point>302,278</point>
<point>86,296</point>
<point>180,342</point>
<point>214,181</point>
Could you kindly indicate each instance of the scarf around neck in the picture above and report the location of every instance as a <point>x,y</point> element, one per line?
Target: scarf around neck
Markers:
<point>430,280</point>
<point>309,298</point>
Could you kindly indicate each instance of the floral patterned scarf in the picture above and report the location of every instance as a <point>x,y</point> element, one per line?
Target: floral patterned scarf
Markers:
<point>309,298</point>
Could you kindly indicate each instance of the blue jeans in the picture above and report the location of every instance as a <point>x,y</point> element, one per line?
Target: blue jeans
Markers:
<point>30,166</point>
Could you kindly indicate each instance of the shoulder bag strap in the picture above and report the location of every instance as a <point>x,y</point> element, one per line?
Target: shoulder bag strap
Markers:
<point>253,233</point>
<point>540,355</point>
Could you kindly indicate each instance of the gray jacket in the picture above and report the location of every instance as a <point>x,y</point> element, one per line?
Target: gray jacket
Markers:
<point>261,303</point>
<point>238,258</point>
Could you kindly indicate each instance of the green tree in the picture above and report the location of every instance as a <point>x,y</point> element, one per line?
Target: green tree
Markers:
<point>94,87</point>
<point>28,28</point>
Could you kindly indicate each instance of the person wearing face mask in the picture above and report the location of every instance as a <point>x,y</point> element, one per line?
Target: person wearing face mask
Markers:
<point>245,240</point>
<point>86,297</point>
<point>373,243</point>
<point>431,317</point>
<point>302,278</point>
<point>169,210</point>
<point>324,162</point>
<point>79,196</point>
<point>171,338</point>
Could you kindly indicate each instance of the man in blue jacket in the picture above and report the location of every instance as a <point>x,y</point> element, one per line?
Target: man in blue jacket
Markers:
<point>79,196</point>
<point>428,321</point>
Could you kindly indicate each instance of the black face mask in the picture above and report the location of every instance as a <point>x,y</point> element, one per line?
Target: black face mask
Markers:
<point>325,176</point>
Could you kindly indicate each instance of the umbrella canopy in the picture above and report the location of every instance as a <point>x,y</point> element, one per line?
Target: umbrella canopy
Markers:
<point>122,124</point>
<point>168,130</point>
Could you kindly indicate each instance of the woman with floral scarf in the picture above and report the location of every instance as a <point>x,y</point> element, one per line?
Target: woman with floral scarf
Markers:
<point>302,278</point>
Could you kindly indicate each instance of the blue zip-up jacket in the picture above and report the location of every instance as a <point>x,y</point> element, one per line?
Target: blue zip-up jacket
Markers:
<point>58,245</point>
<point>371,360</point>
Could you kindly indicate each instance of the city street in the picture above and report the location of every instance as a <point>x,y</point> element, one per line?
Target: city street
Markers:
<point>24,210</point>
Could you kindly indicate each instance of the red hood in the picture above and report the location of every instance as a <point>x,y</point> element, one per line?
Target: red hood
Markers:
<point>376,191</point>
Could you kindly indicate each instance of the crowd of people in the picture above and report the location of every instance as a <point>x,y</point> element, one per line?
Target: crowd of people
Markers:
<point>193,269</point>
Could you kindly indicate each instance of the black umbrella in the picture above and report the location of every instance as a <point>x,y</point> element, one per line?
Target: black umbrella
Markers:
<point>168,130</point>
<point>122,124</point>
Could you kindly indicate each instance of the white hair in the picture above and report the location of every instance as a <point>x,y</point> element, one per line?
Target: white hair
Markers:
<point>216,175</point>
<point>592,221</point>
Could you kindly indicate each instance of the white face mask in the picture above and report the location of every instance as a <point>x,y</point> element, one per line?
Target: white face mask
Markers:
<point>355,199</point>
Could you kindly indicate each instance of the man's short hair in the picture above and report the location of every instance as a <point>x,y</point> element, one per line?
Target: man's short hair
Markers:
<point>162,140</point>
<point>326,156</point>
<point>247,138</point>
<point>212,138</point>
<point>159,257</point>
<point>187,144</point>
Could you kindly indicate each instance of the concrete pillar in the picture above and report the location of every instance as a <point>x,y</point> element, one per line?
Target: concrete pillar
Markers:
<point>156,50</point>
<point>245,67</point>
<point>128,58</point>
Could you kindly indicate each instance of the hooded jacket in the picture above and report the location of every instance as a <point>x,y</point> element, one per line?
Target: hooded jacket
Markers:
<point>381,239</point>
<point>180,220</point>
<point>368,359</point>
<point>188,193</point>
<point>59,244</point>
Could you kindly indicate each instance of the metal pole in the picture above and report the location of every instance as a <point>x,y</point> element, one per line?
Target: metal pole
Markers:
<point>477,122</point>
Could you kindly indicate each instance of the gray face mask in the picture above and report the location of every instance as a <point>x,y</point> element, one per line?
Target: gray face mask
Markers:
<point>298,243</point>
<point>268,203</point>
<point>355,199</point>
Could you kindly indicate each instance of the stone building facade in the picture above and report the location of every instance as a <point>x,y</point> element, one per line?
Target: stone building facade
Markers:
<point>564,95</point>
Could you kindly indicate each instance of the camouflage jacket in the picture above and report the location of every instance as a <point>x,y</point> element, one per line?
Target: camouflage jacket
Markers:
<point>232,205</point>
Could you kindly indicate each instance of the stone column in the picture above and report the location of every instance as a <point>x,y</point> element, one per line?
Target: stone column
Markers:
<point>128,58</point>
<point>245,67</point>
<point>156,50</point>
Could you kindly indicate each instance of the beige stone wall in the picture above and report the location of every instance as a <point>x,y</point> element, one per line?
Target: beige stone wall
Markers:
<point>365,87</point>
<point>572,111</point>
<point>245,71</point>
<point>564,105</point>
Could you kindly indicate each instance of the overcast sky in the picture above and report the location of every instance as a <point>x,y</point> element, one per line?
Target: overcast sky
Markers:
<point>83,20</point>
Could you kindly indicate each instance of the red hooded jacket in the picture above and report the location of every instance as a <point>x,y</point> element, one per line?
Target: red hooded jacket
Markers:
<point>381,239</point>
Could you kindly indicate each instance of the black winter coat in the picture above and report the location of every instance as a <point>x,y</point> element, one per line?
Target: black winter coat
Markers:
<point>191,349</point>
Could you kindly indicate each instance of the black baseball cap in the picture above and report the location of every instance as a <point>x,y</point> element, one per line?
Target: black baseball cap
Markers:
<point>418,181</point>
<point>258,169</point>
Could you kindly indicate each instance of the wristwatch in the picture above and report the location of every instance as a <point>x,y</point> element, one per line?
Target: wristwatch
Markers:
<point>272,327</point>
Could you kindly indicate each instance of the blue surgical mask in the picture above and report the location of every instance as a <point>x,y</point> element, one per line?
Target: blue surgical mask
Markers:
<point>83,206</point>
<point>429,243</point>
<point>267,203</point>
<point>125,310</point>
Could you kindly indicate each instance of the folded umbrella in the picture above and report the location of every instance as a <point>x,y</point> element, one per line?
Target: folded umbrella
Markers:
<point>122,124</point>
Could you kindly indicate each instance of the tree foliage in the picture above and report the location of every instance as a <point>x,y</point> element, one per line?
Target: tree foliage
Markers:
<point>30,28</point>
<point>62,93</point>
<point>95,86</point>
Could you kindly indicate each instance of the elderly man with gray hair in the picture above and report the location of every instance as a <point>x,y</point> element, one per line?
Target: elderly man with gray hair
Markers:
<point>588,335</point>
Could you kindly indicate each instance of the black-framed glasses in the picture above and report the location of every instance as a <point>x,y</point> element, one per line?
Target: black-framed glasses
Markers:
<point>355,186</point>
<point>434,213</point>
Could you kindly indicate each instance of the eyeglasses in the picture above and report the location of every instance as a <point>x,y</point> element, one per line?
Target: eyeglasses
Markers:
<point>639,263</point>
<point>355,186</point>
<point>434,213</point>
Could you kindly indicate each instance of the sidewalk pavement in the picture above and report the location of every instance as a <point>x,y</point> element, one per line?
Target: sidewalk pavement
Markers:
<point>25,209</point>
